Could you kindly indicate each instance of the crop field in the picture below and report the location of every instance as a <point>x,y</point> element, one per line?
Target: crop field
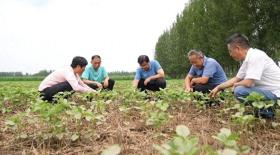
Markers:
<point>128,122</point>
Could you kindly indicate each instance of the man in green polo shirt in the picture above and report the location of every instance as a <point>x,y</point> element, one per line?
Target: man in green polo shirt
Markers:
<point>95,75</point>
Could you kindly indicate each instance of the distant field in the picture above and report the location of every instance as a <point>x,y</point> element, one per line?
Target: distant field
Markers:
<point>40,78</point>
<point>22,78</point>
<point>138,123</point>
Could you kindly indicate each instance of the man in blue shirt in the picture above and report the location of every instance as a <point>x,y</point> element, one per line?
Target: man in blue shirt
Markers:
<point>149,76</point>
<point>96,76</point>
<point>205,73</point>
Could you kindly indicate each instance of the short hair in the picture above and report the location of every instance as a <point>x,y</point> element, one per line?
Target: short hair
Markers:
<point>78,60</point>
<point>196,52</point>
<point>95,56</point>
<point>239,39</point>
<point>143,58</point>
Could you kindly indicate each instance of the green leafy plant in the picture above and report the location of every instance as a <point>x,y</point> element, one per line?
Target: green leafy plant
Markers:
<point>181,144</point>
<point>112,150</point>
<point>229,140</point>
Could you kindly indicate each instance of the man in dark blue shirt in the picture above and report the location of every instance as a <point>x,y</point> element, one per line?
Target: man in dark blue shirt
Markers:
<point>205,73</point>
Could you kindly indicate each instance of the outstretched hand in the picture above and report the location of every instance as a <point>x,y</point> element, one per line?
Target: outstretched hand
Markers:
<point>147,81</point>
<point>213,93</point>
<point>189,89</point>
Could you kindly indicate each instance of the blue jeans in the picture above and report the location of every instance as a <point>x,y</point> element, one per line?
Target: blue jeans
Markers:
<point>242,92</point>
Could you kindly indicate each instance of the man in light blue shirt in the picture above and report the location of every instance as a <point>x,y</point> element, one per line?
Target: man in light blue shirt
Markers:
<point>149,76</point>
<point>205,73</point>
<point>96,76</point>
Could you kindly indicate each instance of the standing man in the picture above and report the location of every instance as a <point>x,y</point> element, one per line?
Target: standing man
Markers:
<point>258,72</point>
<point>205,73</point>
<point>96,76</point>
<point>149,76</point>
<point>66,79</point>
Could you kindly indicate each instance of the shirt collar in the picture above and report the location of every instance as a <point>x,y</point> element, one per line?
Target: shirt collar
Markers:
<point>204,60</point>
<point>94,68</point>
<point>248,55</point>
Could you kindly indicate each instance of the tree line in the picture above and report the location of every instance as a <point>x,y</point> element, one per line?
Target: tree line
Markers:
<point>206,24</point>
<point>19,74</point>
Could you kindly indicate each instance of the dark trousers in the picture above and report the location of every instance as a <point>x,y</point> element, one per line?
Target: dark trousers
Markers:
<point>48,93</point>
<point>110,85</point>
<point>153,85</point>
<point>204,88</point>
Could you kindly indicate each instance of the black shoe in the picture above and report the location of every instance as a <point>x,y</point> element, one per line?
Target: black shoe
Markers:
<point>266,113</point>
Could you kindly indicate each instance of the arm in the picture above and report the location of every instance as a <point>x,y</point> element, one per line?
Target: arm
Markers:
<point>76,83</point>
<point>160,74</point>
<point>208,72</point>
<point>224,85</point>
<point>245,83</point>
<point>92,82</point>
<point>135,83</point>
<point>86,81</point>
<point>106,82</point>
<point>200,80</point>
<point>188,86</point>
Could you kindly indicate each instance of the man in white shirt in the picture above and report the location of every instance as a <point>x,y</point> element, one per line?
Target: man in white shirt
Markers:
<point>258,72</point>
<point>65,79</point>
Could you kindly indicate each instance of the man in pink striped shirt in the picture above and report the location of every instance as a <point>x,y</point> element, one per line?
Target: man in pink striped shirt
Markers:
<point>65,79</point>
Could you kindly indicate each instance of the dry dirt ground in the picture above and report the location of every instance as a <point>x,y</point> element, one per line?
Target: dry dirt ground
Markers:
<point>135,137</point>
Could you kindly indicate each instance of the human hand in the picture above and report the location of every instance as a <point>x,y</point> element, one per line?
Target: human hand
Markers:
<point>147,81</point>
<point>213,93</point>
<point>192,82</point>
<point>106,83</point>
<point>99,85</point>
<point>188,89</point>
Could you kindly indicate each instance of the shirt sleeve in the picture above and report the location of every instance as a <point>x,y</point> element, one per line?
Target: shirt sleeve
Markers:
<point>255,67</point>
<point>242,71</point>
<point>137,75</point>
<point>157,66</point>
<point>209,70</point>
<point>76,83</point>
<point>85,74</point>
<point>192,72</point>
<point>105,74</point>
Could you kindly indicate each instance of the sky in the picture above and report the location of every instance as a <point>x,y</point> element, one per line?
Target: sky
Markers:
<point>47,34</point>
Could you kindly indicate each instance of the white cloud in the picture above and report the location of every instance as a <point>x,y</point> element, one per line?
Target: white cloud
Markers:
<point>47,34</point>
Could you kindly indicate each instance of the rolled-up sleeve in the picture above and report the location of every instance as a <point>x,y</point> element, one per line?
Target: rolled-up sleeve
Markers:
<point>209,70</point>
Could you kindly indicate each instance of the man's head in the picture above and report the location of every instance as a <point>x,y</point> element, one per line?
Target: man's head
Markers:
<point>79,64</point>
<point>143,61</point>
<point>196,58</point>
<point>238,45</point>
<point>96,61</point>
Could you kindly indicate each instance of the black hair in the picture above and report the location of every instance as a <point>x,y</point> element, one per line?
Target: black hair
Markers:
<point>81,61</point>
<point>143,58</point>
<point>95,56</point>
<point>238,39</point>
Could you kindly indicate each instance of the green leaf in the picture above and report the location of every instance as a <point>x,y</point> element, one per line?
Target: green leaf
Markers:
<point>78,116</point>
<point>23,135</point>
<point>274,124</point>
<point>182,130</point>
<point>278,102</point>
<point>225,131</point>
<point>74,137</point>
<point>258,105</point>
<point>162,150</point>
<point>227,152</point>
<point>112,150</point>
<point>59,136</point>
<point>9,122</point>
